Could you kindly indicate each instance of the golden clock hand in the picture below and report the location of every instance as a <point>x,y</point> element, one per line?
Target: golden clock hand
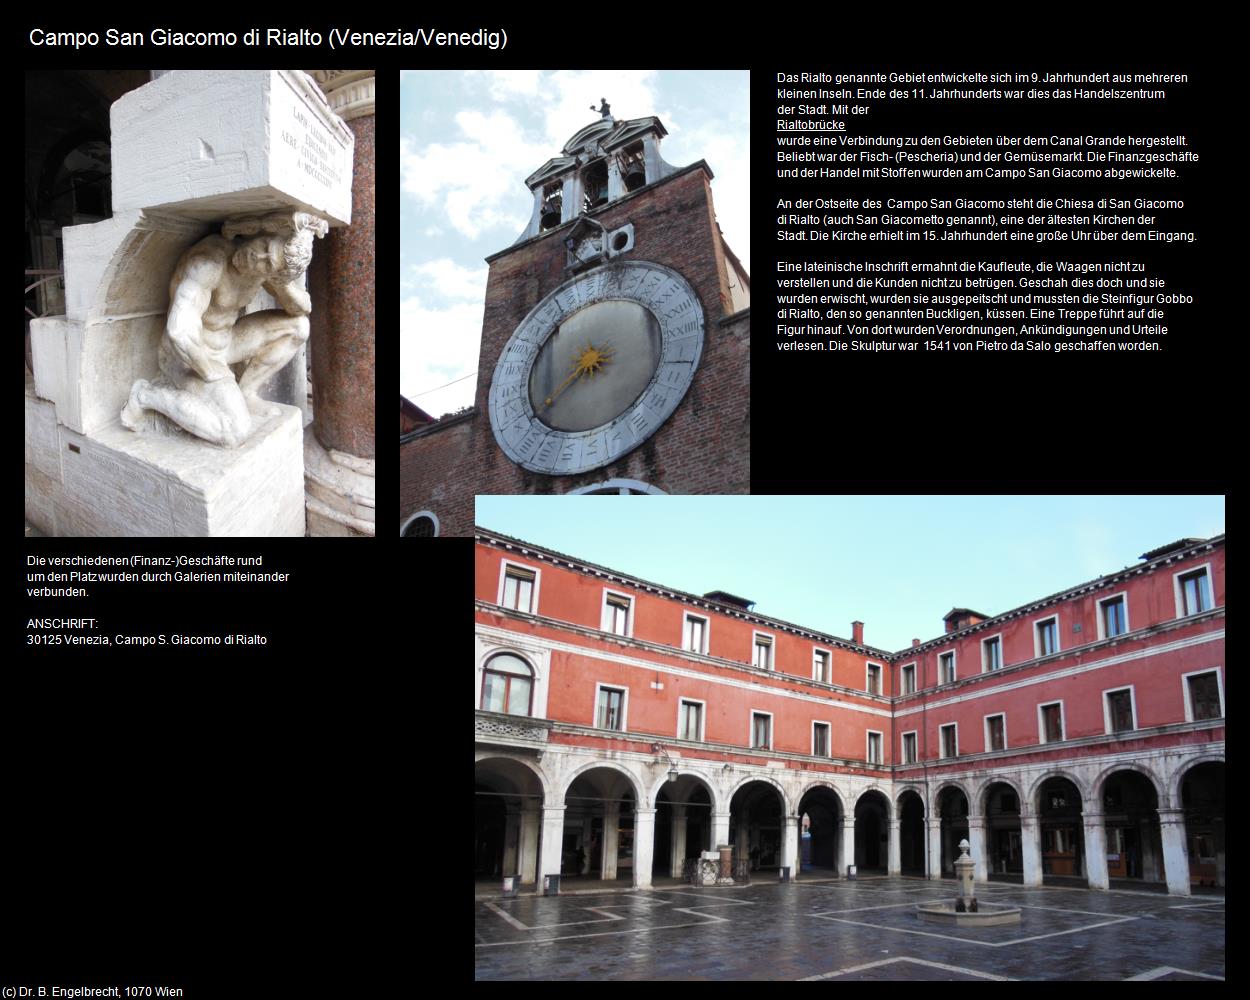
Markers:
<point>577,373</point>
<point>590,361</point>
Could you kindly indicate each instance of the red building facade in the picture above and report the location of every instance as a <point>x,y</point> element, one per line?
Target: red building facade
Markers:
<point>622,728</point>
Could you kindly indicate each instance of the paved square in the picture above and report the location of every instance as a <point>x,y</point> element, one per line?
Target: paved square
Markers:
<point>863,930</point>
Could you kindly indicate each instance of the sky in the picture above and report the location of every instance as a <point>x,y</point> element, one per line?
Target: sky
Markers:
<point>896,563</point>
<point>469,139</point>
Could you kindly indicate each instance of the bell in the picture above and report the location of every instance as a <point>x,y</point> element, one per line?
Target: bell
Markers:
<point>550,214</point>
<point>635,177</point>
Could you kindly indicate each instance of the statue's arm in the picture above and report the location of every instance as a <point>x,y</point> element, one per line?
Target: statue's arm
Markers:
<point>293,299</point>
<point>185,325</point>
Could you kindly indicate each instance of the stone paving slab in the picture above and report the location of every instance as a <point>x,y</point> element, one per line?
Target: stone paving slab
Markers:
<point>862,930</point>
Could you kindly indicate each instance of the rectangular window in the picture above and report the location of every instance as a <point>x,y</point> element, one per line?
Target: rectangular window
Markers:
<point>611,709</point>
<point>1195,590</point>
<point>1047,637</point>
<point>950,740</point>
<point>909,679</point>
<point>691,724</point>
<point>874,679</point>
<point>761,730</point>
<point>874,748</point>
<point>820,666</point>
<point>616,608</point>
<point>1052,722</point>
<point>1113,616</point>
<point>518,589</point>
<point>763,651</point>
<point>820,739</point>
<point>1204,696</point>
<point>694,634</point>
<point>995,732</point>
<point>1120,710</point>
<point>946,668</point>
<point>909,748</point>
<point>992,653</point>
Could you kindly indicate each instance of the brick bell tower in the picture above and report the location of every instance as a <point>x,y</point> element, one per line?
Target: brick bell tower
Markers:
<point>615,351</point>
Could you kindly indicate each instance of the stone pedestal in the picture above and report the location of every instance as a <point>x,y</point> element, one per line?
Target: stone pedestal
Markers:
<point>339,445</point>
<point>189,150</point>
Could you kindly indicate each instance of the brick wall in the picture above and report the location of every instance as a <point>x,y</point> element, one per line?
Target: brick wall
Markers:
<point>704,447</point>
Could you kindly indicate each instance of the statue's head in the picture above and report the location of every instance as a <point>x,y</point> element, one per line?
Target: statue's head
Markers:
<point>277,247</point>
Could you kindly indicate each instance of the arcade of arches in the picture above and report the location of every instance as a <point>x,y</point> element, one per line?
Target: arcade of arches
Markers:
<point>630,821</point>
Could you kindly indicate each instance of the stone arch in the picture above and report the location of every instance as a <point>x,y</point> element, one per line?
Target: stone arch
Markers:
<point>786,808</point>
<point>889,803</point>
<point>1178,779</point>
<point>421,513</point>
<point>898,799</point>
<point>543,779</point>
<point>708,784</point>
<point>635,783</point>
<point>931,808</point>
<point>983,789</point>
<point>1045,776</point>
<point>1098,783</point>
<point>528,656</point>
<point>814,785</point>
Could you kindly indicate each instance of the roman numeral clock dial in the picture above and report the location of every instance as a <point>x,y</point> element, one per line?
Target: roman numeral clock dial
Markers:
<point>596,367</point>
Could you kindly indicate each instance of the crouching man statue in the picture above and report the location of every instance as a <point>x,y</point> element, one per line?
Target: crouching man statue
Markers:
<point>205,333</point>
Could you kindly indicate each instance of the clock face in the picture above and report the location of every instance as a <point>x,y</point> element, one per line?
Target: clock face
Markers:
<point>596,367</point>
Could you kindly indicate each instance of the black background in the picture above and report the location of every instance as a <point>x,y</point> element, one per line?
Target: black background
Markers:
<point>222,819</point>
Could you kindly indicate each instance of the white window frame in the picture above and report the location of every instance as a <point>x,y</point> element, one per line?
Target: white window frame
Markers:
<point>985,730</point>
<point>503,579</point>
<point>954,667</point>
<point>828,738</point>
<point>1041,727</point>
<point>756,634</point>
<point>1037,643</point>
<point>1106,707</point>
<point>1180,593</point>
<point>681,703</point>
<point>868,665</point>
<point>772,737</point>
<point>1219,684</point>
<point>942,743</point>
<point>629,613</point>
<point>868,735</point>
<point>1102,619</point>
<point>902,673</point>
<point>828,654</point>
<point>594,712</point>
<point>902,747</point>
<point>707,632</point>
<point>1002,660</point>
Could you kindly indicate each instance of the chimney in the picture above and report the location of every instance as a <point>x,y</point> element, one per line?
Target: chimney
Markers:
<point>915,643</point>
<point>857,632</point>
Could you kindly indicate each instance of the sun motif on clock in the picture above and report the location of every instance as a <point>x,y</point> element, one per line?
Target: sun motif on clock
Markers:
<point>596,367</point>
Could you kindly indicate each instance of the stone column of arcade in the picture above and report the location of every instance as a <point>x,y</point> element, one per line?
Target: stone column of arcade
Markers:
<point>848,843</point>
<point>644,846</point>
<point>339,444</point>
<point>976,841</point>
<point>896,850</point>
<point>1030,848</point>
<point>1095,847</point>
<point>1175,857</point>
<point>935,848</point>
<point>790,845</point>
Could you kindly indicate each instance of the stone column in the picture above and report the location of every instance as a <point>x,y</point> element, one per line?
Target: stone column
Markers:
<point>720,830</point>
<point>1095,850</point>
<point>895,866</point>
<point>644,846</point>
<point>588,833</point>
<point>511,837</point>
<point>611,840</point>
<point>976,843</point>
<point>1031,849</point>
<point>615,187</point>
<point>790,844</point>
<point>1175,856</point>
<point>848,842</point>
<point>528,865</point>
<point>339,444</point>
<point>934,828</point>
<point>553,842</point>
<point>677,841</point>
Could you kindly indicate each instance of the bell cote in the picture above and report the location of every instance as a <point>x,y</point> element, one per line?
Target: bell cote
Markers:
<point>602,162</point>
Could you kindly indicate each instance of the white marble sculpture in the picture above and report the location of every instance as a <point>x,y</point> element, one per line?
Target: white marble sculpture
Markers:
<point>206,331</point>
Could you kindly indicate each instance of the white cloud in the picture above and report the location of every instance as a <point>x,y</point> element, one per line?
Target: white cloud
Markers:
<point>446,279</point>
<point>437,346</point>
